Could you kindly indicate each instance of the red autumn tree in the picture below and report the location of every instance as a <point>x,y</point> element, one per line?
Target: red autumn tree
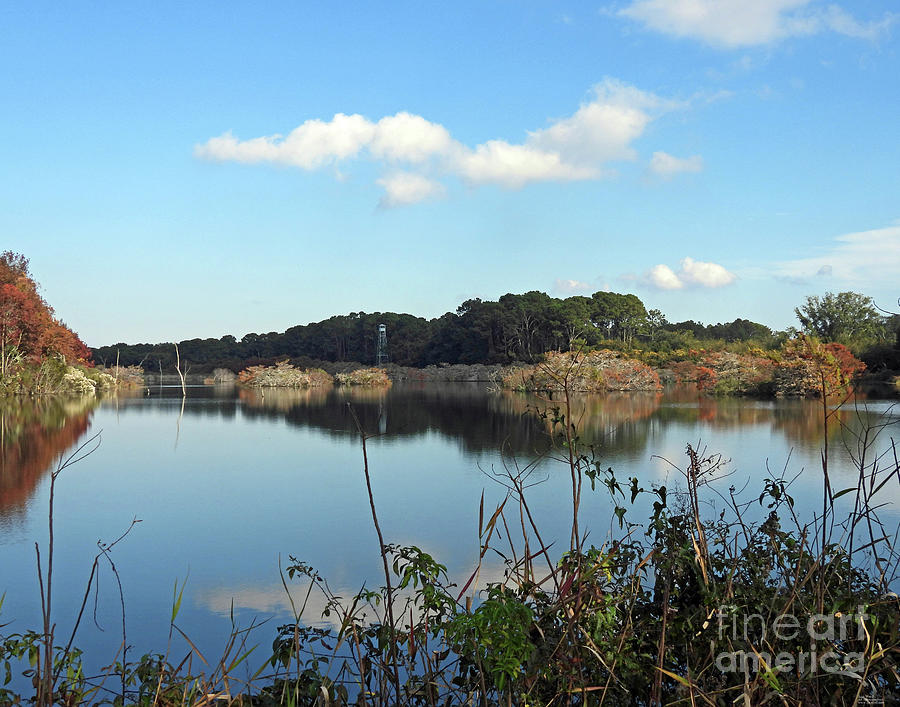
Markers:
<point>27,325</point>
<point>19,324</point>
<point>823,369</point>
<point>706,378</point>
<point>848,365</point>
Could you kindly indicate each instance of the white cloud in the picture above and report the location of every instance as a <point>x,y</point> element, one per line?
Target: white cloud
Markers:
<point>401,137</point>
<point>742,23</point>
<point>577,147</point>
<point>311,145</point>
<point>691,273</point>
<point>667,166</point>
<point>571,287</point>
<point>662,277</point>
<point>403,188</point>
<point>866,257</point>
<point>513,166</point>
<point>603,129</point>
<point>695,272</point>
<point>410,138</point>
<point>574,148</point>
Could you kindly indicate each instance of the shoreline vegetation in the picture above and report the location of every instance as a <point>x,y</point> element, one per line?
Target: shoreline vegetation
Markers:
<point>520,330</point>
<point>285,375</point>
<point>492,342</point>
<point>39,354</point>
<point>677,602</point>
<point>508,343</point>
<point>795,370</point>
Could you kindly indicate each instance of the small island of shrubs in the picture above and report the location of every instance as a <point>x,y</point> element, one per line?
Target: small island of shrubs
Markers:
<point>801,367</point>
<point>590,372</point>
<point>364,376</point>
<point>284,375</point>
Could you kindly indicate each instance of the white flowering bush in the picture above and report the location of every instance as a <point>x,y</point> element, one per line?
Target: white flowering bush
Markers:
<point>102,380</point>
<point>74,381</point>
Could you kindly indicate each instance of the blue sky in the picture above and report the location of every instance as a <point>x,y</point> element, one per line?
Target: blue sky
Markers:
<point>196,169</point>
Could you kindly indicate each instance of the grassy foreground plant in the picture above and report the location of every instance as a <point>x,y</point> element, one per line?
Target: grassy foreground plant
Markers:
<point>751,604</point>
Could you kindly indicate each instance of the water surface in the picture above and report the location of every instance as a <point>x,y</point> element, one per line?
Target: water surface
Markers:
<point>228,481</point>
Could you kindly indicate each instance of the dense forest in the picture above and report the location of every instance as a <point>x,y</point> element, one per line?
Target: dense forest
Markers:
<point>519,327</point>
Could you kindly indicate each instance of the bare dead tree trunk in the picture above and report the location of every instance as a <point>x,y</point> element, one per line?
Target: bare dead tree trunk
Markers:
<point>180,374</point>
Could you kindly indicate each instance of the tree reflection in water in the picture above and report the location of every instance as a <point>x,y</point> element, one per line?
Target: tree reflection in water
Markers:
<point>33,434</point>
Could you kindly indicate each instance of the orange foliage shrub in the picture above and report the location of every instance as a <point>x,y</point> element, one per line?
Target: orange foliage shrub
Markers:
<point>706,378</point>
<point>811,368</point>
<point>27,323</point>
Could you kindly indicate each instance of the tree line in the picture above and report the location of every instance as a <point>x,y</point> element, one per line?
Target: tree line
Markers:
<point>516,327</point>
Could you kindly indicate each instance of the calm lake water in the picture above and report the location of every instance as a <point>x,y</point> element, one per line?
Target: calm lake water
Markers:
<point>228,481</point>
